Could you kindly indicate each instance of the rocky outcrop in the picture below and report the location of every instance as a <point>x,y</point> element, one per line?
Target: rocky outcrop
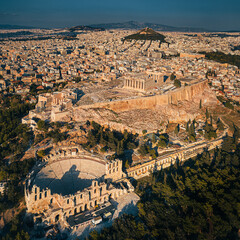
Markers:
<point>187,93</point>
<point>150,113</point>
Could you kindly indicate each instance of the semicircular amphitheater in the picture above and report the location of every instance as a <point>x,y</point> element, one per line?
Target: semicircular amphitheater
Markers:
<point>69,175</point>
<point>70,181</point>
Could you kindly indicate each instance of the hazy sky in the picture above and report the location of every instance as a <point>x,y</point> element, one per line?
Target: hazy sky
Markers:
<point>210,14</point>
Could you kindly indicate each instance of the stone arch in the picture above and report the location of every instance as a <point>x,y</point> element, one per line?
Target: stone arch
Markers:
<point>85,207</point>
<point>75,211</point>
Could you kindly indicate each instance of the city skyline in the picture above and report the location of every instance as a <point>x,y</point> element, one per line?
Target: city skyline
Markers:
<point>214,15</point>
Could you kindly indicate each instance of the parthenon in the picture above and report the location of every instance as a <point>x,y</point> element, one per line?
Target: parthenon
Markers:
<point>145,81</point>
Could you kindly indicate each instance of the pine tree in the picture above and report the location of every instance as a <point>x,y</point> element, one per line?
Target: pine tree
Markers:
<point>187,127</point>
<point>207,114</point>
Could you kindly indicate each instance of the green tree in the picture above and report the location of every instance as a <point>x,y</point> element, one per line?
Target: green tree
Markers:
<point>207,114</point>
<point>177,83</point>
<point>220,125</point>
<point>42,125</point>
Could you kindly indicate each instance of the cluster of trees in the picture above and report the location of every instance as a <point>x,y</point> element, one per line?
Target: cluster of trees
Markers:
<point>197,199</point>
<point>223,58</point>
<point>227,102</point>
<point>15,229</point>
<point>14,136</point>
<point>210,132</point>
<point>146,149</point>
<point>55,134</point>
<point>56,86</point>
<point>229,105</point>
<point>110,140</point>
<point>163,141</point>
<point>13,174</point>
<point>190,128</point>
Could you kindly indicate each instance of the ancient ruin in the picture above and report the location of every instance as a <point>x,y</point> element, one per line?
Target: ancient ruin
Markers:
<point>146,81</point>
<point>70,181</point>
<point>52,107</point>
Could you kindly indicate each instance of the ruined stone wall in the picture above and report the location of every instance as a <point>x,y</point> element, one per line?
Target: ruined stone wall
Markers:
<point>145,169</point>
<point>55,206</point>
<point>183,94</point>
<point>114,170</point>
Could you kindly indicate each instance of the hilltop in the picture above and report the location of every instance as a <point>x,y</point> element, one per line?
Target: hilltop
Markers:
<point>85,28</point>
<point>146,34</point>
<point>155,26</point>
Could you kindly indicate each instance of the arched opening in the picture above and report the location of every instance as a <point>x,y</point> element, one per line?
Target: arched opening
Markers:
<point>100,191</point>
<point>89,195</point>
<point>57,218</point>
<point>85,207</point>
<point>75,211</point>
<point>91,205</point>
<point>96,203</point>
<point>51,201</point>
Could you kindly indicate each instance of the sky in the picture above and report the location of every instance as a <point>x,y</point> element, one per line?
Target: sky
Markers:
<point>209,14</point>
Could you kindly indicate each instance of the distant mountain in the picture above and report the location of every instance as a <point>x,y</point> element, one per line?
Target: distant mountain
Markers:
<point>7,26</point>
<point>146,34</point>
<point>157,27</point>
<point>86,28</point>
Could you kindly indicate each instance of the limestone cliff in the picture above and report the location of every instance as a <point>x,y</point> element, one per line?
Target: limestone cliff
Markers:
<point>152,112</point>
